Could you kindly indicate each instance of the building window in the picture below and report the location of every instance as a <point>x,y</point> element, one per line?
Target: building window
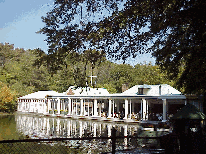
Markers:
<point>140,91</point>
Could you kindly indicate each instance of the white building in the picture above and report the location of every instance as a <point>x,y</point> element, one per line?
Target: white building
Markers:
<point>35,102</point>
<point>141,102</point>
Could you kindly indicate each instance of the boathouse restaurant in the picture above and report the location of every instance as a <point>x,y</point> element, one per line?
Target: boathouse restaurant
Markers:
<point>141,102</point>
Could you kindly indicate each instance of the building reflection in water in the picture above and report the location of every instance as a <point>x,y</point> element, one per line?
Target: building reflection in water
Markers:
<point>49,127</point>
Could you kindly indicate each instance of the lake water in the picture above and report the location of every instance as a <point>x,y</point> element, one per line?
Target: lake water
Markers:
<point>8,129</point>
<point>21,126</point>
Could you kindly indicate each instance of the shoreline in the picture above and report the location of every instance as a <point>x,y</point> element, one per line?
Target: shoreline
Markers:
<point>5,113</point>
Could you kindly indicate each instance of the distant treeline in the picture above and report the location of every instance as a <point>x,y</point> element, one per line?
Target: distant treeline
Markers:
<point>26,71</point>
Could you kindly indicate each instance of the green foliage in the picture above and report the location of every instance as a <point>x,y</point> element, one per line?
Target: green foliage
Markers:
<point>121,74</point>
<point>173,31</point>
<point>7,99</point>
<point>114,75</point>
<point>19,72</point>
<point>151,75</point>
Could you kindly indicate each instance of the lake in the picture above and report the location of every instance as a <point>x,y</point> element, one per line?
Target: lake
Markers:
<point>21,126</point>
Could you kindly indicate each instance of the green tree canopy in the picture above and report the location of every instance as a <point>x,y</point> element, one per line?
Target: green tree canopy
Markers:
<point>174,31</point>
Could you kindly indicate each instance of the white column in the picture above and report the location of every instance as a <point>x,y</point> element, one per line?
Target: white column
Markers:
<point>45,107</point>
<point>141,109</point>
<point>100,109</point>
<point>167,109</point>
<point>130,108</point>
<point>164,109</point>
<point>88,108</point>
<point>110,108</point>
<point>18,105</point>
<point>37,106</point>
<point>92,108</point>
<point>144,109</point>
<point>58,105</point>
<point>41,106</point>
<point>22,105</point>
<point>72,106</point>
<point>113,108</point>
<point>147,110</point>
<point>84,107</point>
<point>95,107</point>
<point>64,104</point>
<point>126,108</point>
<point>29,105</point>
<point>52,103</point>
<point>25,106</point>
<point>33,105</point>
<point>76,106</point>
<point>48,105</point>
<point>81,107</point>
<point>69,107</point>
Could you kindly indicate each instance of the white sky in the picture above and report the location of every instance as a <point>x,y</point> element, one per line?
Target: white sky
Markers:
<point>20,19</point>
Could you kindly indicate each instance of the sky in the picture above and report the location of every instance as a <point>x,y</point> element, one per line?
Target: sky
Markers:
<point>21,19</point>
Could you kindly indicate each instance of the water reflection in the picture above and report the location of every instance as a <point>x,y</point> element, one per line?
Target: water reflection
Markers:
<point>49,127</point>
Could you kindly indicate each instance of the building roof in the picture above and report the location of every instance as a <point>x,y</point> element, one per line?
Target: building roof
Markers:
<point>41,95</point>
<point>189,111</point>
<point>132,93</point>
<point>150,92</point>
<point>153,90</point>
<point>87,91</point>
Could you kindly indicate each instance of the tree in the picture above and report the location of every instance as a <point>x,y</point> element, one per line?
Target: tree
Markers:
<point>19,71</point>
<point>173,31</point>
<point>151,75</point>
<point>7,99</point>
<point>121,74</point>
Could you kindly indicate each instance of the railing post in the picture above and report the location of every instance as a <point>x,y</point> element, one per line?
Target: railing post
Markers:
<point>113,140</point>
